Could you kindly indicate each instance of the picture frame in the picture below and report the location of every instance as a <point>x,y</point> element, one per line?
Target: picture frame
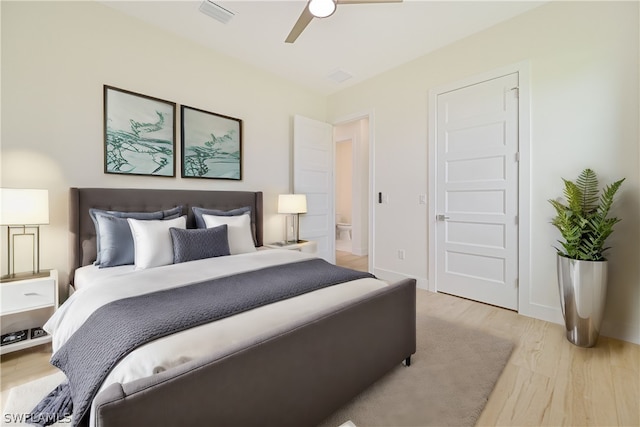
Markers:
<point>211,145</point>
<point>139,134</point>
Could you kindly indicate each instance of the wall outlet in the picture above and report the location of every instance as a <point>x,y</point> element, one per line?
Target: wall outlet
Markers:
<point>400,253</point>
<point>422,199</point>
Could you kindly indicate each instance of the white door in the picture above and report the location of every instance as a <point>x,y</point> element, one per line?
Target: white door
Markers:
<point>313,160</point>
<point>477,192</point>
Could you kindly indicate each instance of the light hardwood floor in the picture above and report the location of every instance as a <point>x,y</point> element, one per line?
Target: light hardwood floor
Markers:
<point>547,381</point>
<point>347,259</point>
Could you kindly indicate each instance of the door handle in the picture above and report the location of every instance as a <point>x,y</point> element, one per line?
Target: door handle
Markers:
<point>441,217</point>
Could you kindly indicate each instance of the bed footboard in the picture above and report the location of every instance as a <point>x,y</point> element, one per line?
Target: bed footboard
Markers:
<point>296,377</point>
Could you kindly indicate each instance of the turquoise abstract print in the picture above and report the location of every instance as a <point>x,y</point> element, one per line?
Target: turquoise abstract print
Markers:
<point>139,134</point>
<point>211,145</point>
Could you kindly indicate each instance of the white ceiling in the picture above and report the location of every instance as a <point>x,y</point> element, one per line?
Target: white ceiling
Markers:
<point>360,39</point>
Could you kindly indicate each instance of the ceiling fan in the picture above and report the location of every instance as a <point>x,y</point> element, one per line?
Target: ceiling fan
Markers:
<point>322,9</point>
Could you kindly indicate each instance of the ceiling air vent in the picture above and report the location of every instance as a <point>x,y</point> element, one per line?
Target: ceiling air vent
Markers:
<point>216,11</point>
<point>339,76</point>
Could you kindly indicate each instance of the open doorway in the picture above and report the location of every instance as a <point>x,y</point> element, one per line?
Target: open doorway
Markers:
<point>352,188</point>
<point>344,195</point>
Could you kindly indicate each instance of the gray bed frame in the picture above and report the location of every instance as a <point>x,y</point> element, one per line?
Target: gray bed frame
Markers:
<point>291,377</point>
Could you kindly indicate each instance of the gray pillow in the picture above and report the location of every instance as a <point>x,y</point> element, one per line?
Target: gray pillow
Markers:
<point>198,212</point>
<point>93,212</point>
<point>116,241</point>
<point>199,243</point>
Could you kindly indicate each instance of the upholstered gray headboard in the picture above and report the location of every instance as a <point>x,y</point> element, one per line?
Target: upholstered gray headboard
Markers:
<point>82,230</point>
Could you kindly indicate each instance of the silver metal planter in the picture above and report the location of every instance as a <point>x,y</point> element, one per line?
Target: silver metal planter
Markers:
<point>583,289</point>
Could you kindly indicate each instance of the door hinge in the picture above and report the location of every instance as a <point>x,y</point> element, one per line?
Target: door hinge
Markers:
<point>517,283</point>
<point>517,220</point>
<point>518,156</point>
<point>516,90</point>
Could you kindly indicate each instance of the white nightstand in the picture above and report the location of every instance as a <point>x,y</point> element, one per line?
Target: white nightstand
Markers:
<point>26,304</point>
<point>308,246</point>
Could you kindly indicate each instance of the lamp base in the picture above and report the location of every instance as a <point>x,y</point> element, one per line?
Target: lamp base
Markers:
<point>288,242</point>
<point>24,276</point>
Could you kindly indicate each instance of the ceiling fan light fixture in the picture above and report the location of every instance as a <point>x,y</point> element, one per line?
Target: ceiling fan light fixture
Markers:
<point>322,8</point>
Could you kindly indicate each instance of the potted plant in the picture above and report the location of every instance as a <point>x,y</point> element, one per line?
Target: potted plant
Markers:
<point>582,268</point>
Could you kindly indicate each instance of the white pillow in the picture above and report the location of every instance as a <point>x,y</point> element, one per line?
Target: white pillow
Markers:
<point>152,241</point>
<point>238,231</point>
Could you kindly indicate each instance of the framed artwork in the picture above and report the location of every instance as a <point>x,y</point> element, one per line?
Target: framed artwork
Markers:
<point>139,134</point>
<point>211,145</point>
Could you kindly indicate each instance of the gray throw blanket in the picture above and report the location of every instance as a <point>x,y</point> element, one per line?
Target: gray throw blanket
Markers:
<point>117,328</point>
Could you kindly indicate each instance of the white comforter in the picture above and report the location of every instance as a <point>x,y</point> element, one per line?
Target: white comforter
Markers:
<point>179,348</point>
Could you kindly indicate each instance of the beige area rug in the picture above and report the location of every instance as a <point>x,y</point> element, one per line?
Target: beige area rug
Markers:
<point>448,383</point>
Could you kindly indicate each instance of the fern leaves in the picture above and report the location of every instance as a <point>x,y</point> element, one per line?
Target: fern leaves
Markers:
<point>588,184</point>
<point>583,221</point>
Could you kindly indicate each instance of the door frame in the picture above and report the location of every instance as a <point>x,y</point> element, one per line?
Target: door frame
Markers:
<point>343,120</point>
<point>524,172</point>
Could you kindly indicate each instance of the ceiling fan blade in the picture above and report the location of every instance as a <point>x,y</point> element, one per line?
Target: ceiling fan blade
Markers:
<point>300,25</point>
<point>367,1</point>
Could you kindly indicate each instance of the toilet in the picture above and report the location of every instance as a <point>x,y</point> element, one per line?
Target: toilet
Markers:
<point>343,230</point>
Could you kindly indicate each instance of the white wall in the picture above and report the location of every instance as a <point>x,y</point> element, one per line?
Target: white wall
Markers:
<point>56,57</point>
<point>584,113</point>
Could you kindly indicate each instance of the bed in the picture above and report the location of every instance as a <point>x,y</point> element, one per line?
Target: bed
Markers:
<point>291,362</point>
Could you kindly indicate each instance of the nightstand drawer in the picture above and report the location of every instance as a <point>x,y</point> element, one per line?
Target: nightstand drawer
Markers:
<point>26,295</point>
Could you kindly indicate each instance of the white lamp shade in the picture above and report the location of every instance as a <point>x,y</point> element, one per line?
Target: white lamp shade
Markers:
<point>292,203</point>
<point>322,8</point>
<point>24,206</point>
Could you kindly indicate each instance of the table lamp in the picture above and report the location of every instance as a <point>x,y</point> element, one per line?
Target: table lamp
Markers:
<point>293,205</point>
<point>23,211</point>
